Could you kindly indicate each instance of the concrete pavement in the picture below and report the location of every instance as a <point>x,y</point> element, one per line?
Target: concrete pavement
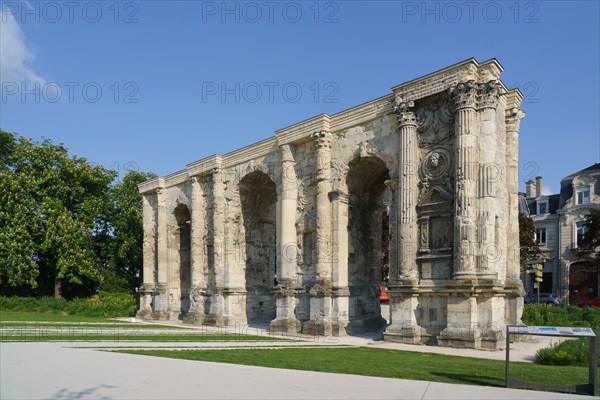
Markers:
<point>53,370</point>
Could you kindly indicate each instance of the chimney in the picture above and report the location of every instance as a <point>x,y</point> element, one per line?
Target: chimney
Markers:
<point>538,186</point>
<point>529,188</point>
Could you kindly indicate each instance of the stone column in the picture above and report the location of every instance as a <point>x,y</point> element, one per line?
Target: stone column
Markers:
<point>197,291</point>
<point>149,254</point>
<point>161,301</point>
<point>490,187</point>
<point>404,278</point>
<point>465,98</point>
<point>462,329</point>
<point>514,285</point>
<point>340,291</point>
<point>408,194</point>
<point>287,250</point>
<point>215,316</point>
<point>320,301</point>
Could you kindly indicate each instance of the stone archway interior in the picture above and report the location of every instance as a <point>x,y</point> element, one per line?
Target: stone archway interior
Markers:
<point>258,199</point>
<point>183,242</point>
<point>367,220</point>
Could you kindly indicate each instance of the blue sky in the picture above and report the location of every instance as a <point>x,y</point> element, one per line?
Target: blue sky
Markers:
<point>154,85</point>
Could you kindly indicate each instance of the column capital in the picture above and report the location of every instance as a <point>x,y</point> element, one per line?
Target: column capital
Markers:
<point>489,94</point>
<point>322,139</point>
<point>464,95</point>
<point>404,113</point>
<point>513,118</point>
<point>194,179</point>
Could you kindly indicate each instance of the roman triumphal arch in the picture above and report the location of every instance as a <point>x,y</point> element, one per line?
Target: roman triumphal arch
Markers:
<point>297,232</point>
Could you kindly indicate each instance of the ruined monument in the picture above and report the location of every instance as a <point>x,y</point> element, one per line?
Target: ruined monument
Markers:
<point>289,232</point>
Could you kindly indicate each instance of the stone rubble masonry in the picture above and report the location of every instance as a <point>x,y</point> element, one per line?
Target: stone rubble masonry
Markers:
<point>287,232</point>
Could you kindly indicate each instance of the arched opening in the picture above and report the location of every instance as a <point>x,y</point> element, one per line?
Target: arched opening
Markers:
<point>258,198</point>
<point>183,243</point>
<point>369,242</point>
<point>583,282</point>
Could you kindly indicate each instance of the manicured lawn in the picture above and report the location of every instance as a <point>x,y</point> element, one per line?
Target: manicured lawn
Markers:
<point>385,363</point>
<point>86,325</point>
<point>55,334</point>
<point>51,317</point>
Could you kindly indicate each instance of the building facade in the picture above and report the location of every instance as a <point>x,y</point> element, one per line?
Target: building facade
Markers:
<point>288,232</point>
<point>559,221</point>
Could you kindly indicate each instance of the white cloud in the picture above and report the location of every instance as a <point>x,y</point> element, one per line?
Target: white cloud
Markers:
<point>546,190</point>
<point>15,55</point>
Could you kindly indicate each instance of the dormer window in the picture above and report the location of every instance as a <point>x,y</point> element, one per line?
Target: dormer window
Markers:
<point>583,195</point>
<point>542,207</point>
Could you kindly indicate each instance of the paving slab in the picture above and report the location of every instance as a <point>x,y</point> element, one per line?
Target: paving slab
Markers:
<point>52,370</point>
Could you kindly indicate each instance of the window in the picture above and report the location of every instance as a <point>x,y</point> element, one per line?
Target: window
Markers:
<point>582,229</point>
<point>583,195</point>
<point>540,236</point>
<point>542,207</point>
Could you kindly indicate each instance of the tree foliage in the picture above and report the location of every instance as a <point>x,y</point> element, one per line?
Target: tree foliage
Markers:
<point>590,246</point>
<point>529,249</point>
<point>59,217</point>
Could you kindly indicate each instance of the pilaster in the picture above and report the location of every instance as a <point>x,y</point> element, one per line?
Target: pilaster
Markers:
<point>465,98</point>
<point>320,301</point>
<point>149,257</point>
<point>216,310</point>
<point>195,314</point>
<point>287,250</point>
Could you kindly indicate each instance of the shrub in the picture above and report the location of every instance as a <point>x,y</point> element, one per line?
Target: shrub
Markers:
<point>562,316</point>
<point>569,352</point>
<point>101,305</point>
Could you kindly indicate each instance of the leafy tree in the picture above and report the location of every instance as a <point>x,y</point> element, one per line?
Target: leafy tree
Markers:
<point>590,246</point>
<point>52,206</point>
<point>128,232</point>
<point>530,250</point>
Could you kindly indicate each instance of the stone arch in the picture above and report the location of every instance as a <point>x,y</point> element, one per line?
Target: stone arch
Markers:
<point>243,170</point>
<point>258,202</point>
<point>182,241</point>
<point>366,213</point>
<point>583,282</point>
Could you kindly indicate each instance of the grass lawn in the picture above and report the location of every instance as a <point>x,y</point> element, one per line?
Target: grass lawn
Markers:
<point>86,325</point>
<point>47,317</point>
<point>55,333</point>
<point>386,363</point>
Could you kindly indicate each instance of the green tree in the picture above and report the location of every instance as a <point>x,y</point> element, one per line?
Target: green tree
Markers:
<point>590,246</point>
<point>529,249</point>
<point>127,235</point>
<point>52,207</point>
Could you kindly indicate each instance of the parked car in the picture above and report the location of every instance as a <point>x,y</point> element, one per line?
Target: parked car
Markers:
<point>590,303</point>
<point>545,298</point>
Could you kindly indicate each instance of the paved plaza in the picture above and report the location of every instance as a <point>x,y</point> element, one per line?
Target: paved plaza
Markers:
<point>82,370</point>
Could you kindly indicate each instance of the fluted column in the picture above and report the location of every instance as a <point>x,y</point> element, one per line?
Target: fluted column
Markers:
<point>514,284</point>
<point>513,121</point>
<point>490,188</point>
<point>161,303</point>
<point>149,257</point>
<point>217,306</point>
<point>404,276</point>
<point>287,250</point>
<point>340,290</point>
<point>408,194</point>
<point>196,313</point>
<point>320,302</point>
<point>464,96</point>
